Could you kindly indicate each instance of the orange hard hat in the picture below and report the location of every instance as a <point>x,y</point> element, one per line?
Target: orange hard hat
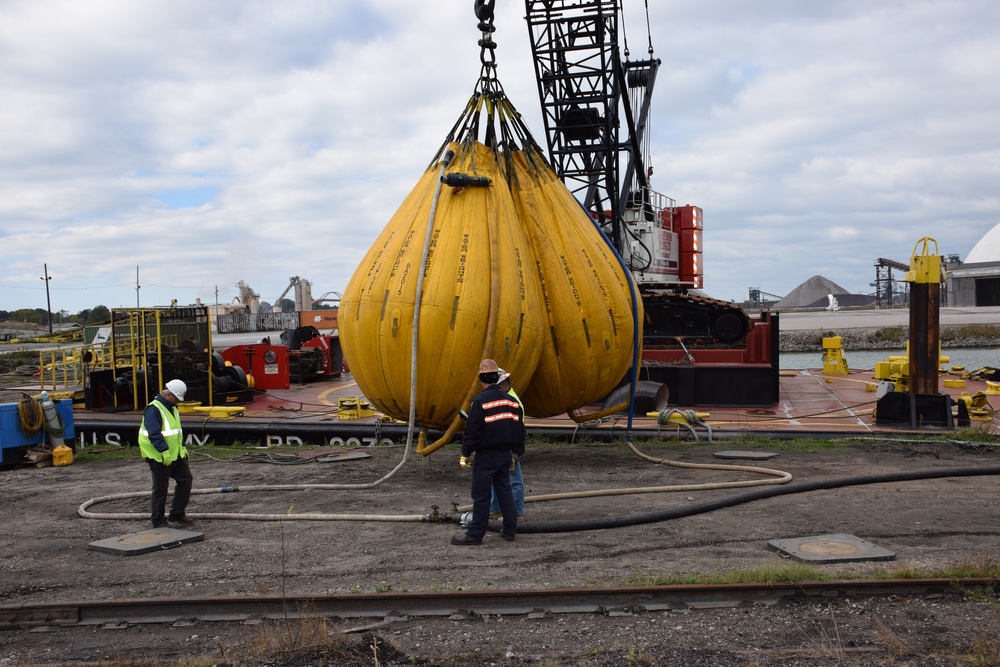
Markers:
<point>488,366</point>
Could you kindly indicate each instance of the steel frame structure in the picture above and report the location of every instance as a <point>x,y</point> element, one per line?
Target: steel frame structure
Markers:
<point>581,78</point>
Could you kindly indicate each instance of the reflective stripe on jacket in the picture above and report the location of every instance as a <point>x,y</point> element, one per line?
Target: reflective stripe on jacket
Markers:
<point>496,421</point>
<point>170,420</point>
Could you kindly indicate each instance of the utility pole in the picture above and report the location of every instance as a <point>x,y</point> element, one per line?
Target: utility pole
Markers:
<point>48,301</point>
<point>137,287</point>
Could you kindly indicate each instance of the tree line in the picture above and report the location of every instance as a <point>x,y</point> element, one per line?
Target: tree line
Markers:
<point>95,315</point>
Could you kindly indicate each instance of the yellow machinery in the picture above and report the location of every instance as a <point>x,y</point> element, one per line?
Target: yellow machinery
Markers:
<point>896,368</point>
<point>354,408</point>
<point>140,360</point>
<point>834,361</point>
<point>921,404</point>
<point>978,405</point>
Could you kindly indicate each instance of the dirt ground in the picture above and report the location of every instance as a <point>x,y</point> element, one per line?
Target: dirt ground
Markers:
<point>930,524</point>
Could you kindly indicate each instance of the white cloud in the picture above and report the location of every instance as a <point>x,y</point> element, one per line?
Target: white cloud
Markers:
<point>816,136</point>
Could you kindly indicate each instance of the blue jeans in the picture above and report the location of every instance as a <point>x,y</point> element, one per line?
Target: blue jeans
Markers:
<point>516,487</point>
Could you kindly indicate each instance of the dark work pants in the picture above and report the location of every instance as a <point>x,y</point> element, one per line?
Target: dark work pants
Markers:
<point>181,474</point>
<point>491,470</point>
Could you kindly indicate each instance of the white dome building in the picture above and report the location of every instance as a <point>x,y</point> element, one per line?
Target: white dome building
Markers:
<point>977,281</point>
<point>987,249</point>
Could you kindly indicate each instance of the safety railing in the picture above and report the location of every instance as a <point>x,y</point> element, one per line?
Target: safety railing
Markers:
<point>69,366</point>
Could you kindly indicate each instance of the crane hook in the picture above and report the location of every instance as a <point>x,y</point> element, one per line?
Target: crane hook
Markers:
<point>484,10</point>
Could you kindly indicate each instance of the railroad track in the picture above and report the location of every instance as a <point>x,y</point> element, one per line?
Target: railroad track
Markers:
<point>384,608</point>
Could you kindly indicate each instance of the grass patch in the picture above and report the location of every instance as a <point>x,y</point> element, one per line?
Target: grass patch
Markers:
<point>975,434</point>
<point>781,444</point>
<point>791,572</point>
<point>966,331</point>
<point>889,334</point>
<point>985,652</point>
<point>778,573</point>
<point>677,449</point>
<point>311,640</point>
<point>14,359</point>
<point>96,453</point>
<point>183,661</point>
<point>233,452</point>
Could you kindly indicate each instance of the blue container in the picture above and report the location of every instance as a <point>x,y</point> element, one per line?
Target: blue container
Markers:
<point>13,440</point>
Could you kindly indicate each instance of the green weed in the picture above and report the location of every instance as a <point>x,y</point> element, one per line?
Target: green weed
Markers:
<point>781,573</point>
<point>791,572</point>
<point>890,334</point>
<point>984,652</point>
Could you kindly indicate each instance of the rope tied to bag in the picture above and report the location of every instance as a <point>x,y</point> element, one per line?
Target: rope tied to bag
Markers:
<point>688,418</point>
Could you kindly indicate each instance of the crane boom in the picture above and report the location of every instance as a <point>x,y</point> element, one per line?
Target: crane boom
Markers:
<point>581,78</point>
<point>303,294</point>
<point>291,283</point>
<point>596,107</point>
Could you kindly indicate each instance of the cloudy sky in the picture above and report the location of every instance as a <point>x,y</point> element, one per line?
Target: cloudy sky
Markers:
<point>211,142</point>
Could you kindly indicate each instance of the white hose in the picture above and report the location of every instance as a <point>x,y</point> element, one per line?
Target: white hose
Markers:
<point>412,416</point>
<point>82,511</point>
<point>128,516</point>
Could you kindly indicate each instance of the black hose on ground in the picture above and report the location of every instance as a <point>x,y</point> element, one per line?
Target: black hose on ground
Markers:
<point>740,498</point>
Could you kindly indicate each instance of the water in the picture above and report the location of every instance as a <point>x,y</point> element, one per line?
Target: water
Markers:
<point>970,357</point>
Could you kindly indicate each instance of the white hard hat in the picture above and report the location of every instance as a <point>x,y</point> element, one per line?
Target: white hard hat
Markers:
<point>503,375</point>
<point>177,388</point>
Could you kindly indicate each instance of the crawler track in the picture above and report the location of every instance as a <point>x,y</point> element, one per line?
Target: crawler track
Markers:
<point>470,604</point>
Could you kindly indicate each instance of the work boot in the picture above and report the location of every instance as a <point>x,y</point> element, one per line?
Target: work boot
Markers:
<point>510,537</point>
<point>463,539</point>
<point>182,520</point>
<point>160,524</point>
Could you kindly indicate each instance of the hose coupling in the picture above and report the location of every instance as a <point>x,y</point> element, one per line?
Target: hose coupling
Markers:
<point>457,180</point>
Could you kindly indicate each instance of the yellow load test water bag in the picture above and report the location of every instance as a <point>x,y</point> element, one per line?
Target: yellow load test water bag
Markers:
<point>476,300</point>
<point>588,344</point>
<point>491,256</point>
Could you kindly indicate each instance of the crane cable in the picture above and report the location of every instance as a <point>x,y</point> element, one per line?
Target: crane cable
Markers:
<point>649,31</point>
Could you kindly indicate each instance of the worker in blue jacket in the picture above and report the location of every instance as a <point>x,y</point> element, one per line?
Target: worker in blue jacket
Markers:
<point>494,433</point>
<point>161,443</point>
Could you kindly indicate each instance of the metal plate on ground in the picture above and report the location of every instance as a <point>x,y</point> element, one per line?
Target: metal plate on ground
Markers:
<point>751,455</point>
<point>154,539</point>
<point>350,455</point>
<point>837,548</point>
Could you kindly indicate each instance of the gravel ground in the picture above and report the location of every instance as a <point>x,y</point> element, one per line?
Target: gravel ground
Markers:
<point>931,525</point>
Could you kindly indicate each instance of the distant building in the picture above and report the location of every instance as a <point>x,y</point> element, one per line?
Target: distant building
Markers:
<point>976,282</point>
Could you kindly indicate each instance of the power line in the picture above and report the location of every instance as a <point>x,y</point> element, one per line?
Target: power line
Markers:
<point>23,268</point>
<point>66,289</point>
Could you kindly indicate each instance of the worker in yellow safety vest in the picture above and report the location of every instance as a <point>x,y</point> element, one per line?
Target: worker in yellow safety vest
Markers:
<point>161,443</point>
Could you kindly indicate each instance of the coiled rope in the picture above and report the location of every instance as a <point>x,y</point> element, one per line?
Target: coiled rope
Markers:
<point>30,412</point>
